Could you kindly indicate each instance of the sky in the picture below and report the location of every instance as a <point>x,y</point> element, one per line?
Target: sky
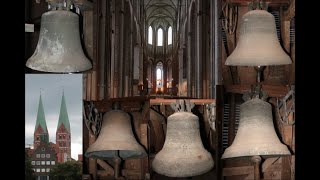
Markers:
<point>51,87</point>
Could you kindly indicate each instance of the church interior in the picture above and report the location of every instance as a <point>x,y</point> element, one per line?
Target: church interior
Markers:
<point>175,89</point>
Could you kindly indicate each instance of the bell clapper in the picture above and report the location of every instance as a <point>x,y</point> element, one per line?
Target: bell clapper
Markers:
<point>256,160</point>
<point>117,161</point>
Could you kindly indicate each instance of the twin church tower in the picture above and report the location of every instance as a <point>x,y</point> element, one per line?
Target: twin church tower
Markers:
<point>63,133</point>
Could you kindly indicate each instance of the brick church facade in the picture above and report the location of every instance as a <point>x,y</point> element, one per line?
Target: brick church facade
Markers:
<point>46,154</point>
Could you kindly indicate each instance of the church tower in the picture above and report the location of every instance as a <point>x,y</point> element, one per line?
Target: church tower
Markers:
<point>41,133</point>
<point>63,134</point>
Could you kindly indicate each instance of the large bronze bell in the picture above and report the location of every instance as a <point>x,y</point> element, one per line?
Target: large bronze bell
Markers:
<point>59,48</point>
<point>183,154</point>
<point>258,43</point>
<point>256,134</point>
<point>116,138</point>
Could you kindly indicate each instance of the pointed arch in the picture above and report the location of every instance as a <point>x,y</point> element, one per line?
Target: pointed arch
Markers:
<point>159,74</point>
<point>169,35</point>
<point>160,37</point>
<point>150,33</point>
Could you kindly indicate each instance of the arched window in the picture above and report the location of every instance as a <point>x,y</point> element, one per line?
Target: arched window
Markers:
<point>150,35</point>
<point>170,35</point>
<point>159,74</point>
<point>159,71</point>
<point>160,37</point>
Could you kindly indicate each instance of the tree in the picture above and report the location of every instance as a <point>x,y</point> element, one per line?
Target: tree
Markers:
<point>28,171</point>
<point>70,170</point>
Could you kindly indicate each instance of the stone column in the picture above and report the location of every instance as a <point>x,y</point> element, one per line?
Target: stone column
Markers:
<point>198,51</point>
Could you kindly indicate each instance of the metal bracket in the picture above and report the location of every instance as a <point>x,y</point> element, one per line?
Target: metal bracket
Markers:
<point>258,4</point>
<point>255,92</point>
<point>92,118</point>
<point>83,5</point>
<point>59,4</point>
<point>182,105</point>
<point>287,108</point>
<point>211,114</point>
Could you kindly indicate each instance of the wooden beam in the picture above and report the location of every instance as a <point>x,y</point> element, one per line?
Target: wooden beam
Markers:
<point>286,16</point>
<point>144,141</point>
<point>145,112</point>
<point>285,32</point>
<point>232,119</point>
<point>90,77</point>
<point>271,90</point>
<point>84,5</point>
<point>130,172</point>
<point>249,177</point>
<point>92,161</point>
<point>160,101</point>
<point>235,171</point>
<point>270,2</point>
<point>103,173</point>
<point>108,169</point>
<point>286,137</point>
<point>268,162</point>
<point>157,126</point>
<point>128,104</point>
<point>290,12</point>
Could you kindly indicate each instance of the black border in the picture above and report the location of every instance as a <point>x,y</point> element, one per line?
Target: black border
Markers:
<point>13,88</point>
<point>307,119</point>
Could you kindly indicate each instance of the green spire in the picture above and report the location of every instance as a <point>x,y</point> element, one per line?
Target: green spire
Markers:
<point>63,117</point>
<point>41,120</point>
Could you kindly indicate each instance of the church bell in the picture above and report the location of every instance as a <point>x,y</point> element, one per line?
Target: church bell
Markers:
<point>183,154</point>
<point>258,44</point>
<point>256,134</point>
<point>59,48</point>
<point>116,138</point>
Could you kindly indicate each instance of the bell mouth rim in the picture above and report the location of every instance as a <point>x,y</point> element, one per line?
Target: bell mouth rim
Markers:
<point>182,112</point>
<point>250,156</point>
<point>172,173</point>
<point>42,71</point>
<point>138,156</point>
<point>59,11</point>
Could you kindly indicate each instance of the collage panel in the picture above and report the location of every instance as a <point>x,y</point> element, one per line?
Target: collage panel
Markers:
<point>160,89</point>
<point>53,126</point>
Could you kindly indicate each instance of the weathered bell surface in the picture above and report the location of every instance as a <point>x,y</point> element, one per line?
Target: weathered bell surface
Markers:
<point>258,43</point>
<point>59,47</point>
<point>256,134</point>
<point>116,135</point>
<point>183,154</point>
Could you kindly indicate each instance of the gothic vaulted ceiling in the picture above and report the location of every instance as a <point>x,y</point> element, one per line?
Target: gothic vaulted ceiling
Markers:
<point>161,13</point>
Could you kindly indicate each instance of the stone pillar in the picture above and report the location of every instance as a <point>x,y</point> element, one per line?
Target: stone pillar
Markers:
<point>189,60</point>
<point>121,52</point>
<point>114,55</point>
<point>89,78</point>
<point>198,51</point>
<point>180,82</point>
<point>211,56</point>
